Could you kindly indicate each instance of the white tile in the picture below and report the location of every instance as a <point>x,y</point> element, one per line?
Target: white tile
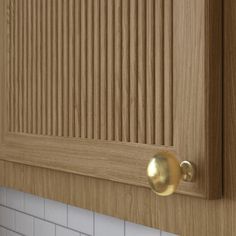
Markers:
<point>61,231</point>
<point>3,196</point>
<point>43,228</point>
<point>80,219</point>
<point>56,212</point>
<point>167,234</point>
<point>7,218</point>
<point>24,224</point>
<point>34,205</point>
<point>139,230</point>
<point>106,226</point>
<point>3,232</point>
<point>10,233</point>
<point>15,199</point>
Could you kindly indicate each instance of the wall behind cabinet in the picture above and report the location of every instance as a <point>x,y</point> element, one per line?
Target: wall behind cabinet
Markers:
<point>26,214</point>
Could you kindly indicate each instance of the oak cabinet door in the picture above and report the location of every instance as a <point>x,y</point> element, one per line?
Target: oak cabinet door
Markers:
<point>97,87</point>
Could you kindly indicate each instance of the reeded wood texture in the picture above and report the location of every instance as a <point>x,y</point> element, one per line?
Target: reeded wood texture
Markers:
<point>183,215</point>
<point>103,70</point>
<point>91,69</point>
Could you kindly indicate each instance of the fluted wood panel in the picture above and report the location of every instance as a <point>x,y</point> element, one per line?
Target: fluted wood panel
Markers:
<point>97,69</point>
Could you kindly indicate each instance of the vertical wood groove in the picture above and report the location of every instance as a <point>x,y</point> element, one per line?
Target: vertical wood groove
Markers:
<point>96,43</point>
<point>25,62</point>
<point>59,69</point>
<point>118,120</point>
<point>103,72</point>
<point>125,70</point>
<point>133,71</point>
<point>38,68</point>
<point>168,72</point>
<point>97,69</point>
<point>83,91</point>
<point>11,66</point>
<point>159,71</point>
<point>44,70</point>
<point>110,71</point>
<point>141,71</point>
<point>54,68</point>
<point>29,87</point>
<point>77,69</point>
<point>90,85</point>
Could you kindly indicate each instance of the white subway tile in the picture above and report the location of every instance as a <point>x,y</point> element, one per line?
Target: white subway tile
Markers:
<point>43,228</point>
<point>34,205</point>
<point>3,196</point>
<point>167,234</point>
<point>24,224</point>
<point>7,218</point>
<point>61,231</point>
<point>15,199</point>
<point>139,230</point>
<point>80,219</point>
<point>56,212</point>
<point>3,232</point>
<point>10,233</point>
<point>106,226</point>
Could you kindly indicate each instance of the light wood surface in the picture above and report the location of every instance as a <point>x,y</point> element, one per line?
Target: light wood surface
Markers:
<point>121,162</point>
<point>141,75</point>
<point>88,66</point>
<point>183,215</point>
<point>197,66</point>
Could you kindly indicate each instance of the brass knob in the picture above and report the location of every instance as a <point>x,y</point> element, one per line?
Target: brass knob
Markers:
<point>165,172</point>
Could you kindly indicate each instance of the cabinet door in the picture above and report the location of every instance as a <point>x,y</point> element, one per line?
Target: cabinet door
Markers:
<point>98,87</point>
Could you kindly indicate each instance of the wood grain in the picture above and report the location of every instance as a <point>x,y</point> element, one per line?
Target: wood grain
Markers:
<point>197,69</point>
<point>89,69</point>
<point>2,173</point>
<point>141,75</point>
<point>3,51</point>
<point>196,131</point>
<point>116,161</point>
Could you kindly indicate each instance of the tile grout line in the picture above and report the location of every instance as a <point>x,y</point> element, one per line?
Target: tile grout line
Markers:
<point>36,217</point>
<point>93,223</point>
<point>124,227</point>
<point>67,216</point>
<point>34,227</point>
<point>8,229</point>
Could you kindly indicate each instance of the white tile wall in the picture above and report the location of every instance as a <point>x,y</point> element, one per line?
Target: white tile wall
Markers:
<point>56,212</point>
<point>81,220</point>
<point>106,226</point>
<point>24,224</point>
<point>22,214</point>
<point>7,217</point>
<point>15,199</point>
<point>139,230</point>
<point>61,231</point>
<point>34,205</point>
<point>3,196</point>
<point>44,228</point>
<point>3,232</point>
<point>11,233</point>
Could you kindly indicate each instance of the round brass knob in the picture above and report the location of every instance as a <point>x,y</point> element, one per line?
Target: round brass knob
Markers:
<point>165,172</point>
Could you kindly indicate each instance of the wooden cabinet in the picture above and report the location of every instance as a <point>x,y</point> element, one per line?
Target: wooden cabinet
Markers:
<point>92,89</point>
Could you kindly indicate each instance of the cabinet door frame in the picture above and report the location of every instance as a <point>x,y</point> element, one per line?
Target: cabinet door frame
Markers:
<point>197,112</point>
